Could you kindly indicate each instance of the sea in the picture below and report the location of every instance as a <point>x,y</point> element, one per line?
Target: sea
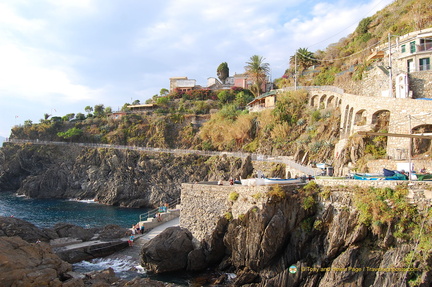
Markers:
<point>45,213</point>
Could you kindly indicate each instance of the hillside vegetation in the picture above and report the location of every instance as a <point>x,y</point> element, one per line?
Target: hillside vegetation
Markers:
<point>217,120</point>
<point>346,60</point>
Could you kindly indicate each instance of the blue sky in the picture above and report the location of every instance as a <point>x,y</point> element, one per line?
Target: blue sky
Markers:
<point>59,56</point>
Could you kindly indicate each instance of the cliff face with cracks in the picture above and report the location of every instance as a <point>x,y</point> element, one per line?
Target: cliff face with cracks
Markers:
<point>323,237</point>
<point>114,177</point>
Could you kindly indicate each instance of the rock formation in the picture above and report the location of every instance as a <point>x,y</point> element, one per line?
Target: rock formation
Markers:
<point>168,252</point>
<point>31,264</point>
<point>114,177</point>
<point>325,241</point>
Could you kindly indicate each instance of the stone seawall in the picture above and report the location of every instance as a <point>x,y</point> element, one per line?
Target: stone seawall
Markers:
<point>420,192</point>
<point>204,203</point>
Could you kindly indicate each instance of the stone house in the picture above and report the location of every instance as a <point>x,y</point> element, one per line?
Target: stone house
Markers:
<point>408,65</point>
<point>265,101</point>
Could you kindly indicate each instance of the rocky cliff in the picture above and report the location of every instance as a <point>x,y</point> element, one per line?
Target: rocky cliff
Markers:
<point>312,237</point>
<point>115,177</point>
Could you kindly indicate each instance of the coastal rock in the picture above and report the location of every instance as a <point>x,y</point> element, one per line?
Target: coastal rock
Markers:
<point>107,278</point>
<point>168,251</point>
<point>11,226</point>
<point>73,231</point>
<point>25,264</point>
<point>126,178</point>
<point>112,231</point>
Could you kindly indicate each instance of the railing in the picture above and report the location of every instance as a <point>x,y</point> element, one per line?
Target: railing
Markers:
<point>424,47</point>
<point>311,88</point>
<point>259,157</point>
<point>161,209</point>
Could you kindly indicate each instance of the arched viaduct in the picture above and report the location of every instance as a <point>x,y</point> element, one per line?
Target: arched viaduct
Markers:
<point>362,113</point>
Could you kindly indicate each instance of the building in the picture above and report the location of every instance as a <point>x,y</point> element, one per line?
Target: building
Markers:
<point>406,60</point>
<point>265,101</point>
<point>182,83</point>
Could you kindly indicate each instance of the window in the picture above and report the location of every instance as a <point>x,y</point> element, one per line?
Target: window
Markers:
<point>403,48</point>
<point>412,47</point>
<point>424,64</point>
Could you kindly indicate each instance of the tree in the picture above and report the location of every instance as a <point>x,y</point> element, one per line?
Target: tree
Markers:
<point>80,116</point>
<point>225,97</point>
<point>70,133</point>
<point>69,117</point>
<point>163,92</point>
<point>125,107</point>
<point>223,72</point>
<point>305,58</point>
<point>88,109</point>
<point>99,110</point>
<point>136,102</point>
<point>257,71</point>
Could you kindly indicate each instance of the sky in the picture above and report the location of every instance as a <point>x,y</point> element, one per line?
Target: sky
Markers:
<point>59,56</point>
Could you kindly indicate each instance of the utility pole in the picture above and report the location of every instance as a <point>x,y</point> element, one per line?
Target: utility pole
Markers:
<point>390,69</point>
<point>409,150</point>
<point>295,71</point>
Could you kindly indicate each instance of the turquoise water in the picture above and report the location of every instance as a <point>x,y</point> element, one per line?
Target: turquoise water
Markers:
<point>48,212</point>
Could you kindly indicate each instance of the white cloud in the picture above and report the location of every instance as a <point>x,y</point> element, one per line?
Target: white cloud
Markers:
<point>84,52</point>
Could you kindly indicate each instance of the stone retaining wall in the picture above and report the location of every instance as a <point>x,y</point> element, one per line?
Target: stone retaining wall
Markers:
<point>203,204</point>
<point>420,192</point>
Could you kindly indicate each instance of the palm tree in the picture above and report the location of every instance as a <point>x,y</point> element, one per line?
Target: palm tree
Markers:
<point>304,60</point>
<point>257,71</point>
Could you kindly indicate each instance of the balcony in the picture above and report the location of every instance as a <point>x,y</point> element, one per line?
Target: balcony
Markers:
<point>424,47</point>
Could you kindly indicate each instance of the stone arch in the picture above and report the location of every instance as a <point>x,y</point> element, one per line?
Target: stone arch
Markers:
<point>322,104</point>
<point>421,146</point>
<point>360,118</point>
<point>381,119</point>
<point>331,101</point>
<point>314,101</point>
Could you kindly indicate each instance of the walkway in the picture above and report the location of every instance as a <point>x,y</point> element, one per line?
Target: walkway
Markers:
<point>256,157</point>
<point>132,254</point>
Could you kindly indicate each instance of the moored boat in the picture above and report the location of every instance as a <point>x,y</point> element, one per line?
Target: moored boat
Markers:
<point>269,181</point>
<point>282,181</point>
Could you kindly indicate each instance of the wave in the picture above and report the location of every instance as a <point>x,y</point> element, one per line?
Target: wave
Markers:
<point>124,267</point>
<point>83,200</point>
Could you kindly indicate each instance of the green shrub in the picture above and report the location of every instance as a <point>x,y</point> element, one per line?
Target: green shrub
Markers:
<point>276,192</point>
<point>233,196</point>
<point>228,216</point>
<point>318,224</point>
<point>308,202</point>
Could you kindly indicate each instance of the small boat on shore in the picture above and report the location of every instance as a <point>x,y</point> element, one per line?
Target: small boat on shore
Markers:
<point>282,181</point>
<point>269,181</point>
<point>386,175</point>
